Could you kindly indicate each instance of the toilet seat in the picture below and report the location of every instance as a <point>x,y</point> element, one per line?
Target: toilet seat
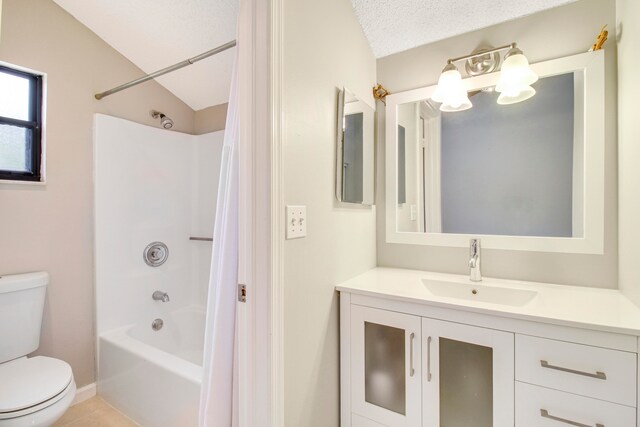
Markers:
<point>31,384</point>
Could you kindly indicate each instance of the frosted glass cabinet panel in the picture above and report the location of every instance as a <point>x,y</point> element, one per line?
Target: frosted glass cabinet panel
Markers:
<point>466,384</point>
<point>385,366</point>
<point>468,377</point>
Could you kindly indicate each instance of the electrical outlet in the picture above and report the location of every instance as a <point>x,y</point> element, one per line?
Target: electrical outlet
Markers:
<point>414,212</point>
<point>296,221</point>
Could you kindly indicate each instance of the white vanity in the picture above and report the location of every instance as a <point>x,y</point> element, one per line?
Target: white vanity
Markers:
<point>430,349</point>
<point>437,350</point>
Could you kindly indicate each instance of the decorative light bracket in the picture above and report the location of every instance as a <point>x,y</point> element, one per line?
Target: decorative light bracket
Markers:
<point>483,60</point>
<point>482,64</point>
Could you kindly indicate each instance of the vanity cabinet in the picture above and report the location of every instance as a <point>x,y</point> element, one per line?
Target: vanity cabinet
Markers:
<point>413,371</point>
<point>423,361</point>
<point>385,366</point>
<point>469,375</point>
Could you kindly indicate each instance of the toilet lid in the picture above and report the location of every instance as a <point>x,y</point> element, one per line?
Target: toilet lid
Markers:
<point>27,382</point>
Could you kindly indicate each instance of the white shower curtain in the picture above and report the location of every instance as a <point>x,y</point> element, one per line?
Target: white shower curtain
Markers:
<point>217,399</point>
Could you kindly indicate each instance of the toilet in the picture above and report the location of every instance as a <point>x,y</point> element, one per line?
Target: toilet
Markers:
<point>34,391</point>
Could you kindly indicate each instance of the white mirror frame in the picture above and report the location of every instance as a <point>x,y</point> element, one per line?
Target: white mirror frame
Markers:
<point>589,66</point>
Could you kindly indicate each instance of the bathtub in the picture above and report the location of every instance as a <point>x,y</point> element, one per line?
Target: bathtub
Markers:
<point>154,377</point>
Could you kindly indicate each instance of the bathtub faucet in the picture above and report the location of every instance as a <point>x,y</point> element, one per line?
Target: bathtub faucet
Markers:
<point>160,296</point>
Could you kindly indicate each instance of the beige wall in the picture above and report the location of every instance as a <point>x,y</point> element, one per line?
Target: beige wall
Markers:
<point>51,227</point>
<point>210,119</point>
<point>324,49</point>
<point>551,34</point>
<point>628,28</point>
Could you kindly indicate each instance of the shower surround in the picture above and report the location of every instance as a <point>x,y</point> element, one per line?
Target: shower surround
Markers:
<point>152,185</point>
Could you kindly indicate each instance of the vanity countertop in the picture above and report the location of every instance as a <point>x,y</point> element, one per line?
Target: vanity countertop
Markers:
<point>600,309</point>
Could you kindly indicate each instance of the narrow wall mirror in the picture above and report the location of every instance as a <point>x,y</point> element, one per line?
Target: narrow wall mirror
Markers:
<point>525,176</point>
<point>355,150</point>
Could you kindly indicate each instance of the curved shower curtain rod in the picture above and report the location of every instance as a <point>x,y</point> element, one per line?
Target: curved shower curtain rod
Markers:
<point>169,69</point>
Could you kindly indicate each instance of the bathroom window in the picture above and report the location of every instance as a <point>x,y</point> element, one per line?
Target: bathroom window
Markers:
<point>20,125</point>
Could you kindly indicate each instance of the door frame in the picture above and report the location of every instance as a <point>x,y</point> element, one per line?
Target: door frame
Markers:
<point>260,347</point>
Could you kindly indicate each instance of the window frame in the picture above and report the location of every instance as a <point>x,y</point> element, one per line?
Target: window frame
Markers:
<point>35,125</point>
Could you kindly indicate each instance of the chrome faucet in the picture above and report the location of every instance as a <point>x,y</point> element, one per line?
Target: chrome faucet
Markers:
<point>474,261</point>
<point>160,296</point>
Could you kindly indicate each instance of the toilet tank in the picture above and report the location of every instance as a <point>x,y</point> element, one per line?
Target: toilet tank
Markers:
<point>21,306</point>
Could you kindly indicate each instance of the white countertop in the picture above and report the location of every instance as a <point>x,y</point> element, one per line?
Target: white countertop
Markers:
<point>605,310</point>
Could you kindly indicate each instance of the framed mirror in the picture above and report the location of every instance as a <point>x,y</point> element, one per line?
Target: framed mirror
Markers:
<point>355,150</point>
<point>525,176</point>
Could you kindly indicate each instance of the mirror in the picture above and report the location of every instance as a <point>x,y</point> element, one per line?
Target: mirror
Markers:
<point>523,176</point>
<point>355,150</point>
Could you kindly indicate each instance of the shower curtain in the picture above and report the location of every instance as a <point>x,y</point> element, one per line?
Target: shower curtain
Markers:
<point>217,398</point>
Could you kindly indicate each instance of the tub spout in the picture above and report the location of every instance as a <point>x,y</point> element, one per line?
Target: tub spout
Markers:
<point>160,296</point>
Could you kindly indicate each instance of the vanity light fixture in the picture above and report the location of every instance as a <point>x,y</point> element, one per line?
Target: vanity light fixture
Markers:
<point>514,84</point>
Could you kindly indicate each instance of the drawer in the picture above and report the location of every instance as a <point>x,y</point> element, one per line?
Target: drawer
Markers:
<point>581,369</point>
<point>542,407</point>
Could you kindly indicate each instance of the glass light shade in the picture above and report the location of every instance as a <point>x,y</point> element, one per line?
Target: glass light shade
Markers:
<point>451,92</point>
<point>450,82</point>
<point>516,74</point>
<point>460,102</point>
<point>509,97</point>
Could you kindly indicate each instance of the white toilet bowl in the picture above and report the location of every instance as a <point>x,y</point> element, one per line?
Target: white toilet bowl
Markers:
<point>34,392</point>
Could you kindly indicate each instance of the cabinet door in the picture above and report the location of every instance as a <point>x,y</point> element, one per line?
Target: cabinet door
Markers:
<point>385,366</point>
<point>468,376</point>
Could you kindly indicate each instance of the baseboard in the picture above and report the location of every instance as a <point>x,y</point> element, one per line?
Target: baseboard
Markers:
<point>84,393</point>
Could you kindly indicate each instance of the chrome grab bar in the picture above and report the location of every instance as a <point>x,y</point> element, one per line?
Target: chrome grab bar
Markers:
<point>599,375</point>
<point>202,239</point>
<point>412,371</point>
<point>545,414</point>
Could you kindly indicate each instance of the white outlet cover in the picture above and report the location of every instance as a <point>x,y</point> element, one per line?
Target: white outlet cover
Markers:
<point>296,221</point>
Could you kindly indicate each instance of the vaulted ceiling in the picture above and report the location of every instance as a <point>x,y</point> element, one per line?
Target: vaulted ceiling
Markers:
<point>154,34</point>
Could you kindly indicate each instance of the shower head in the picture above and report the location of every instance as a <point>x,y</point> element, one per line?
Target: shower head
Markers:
<point>165,121</point>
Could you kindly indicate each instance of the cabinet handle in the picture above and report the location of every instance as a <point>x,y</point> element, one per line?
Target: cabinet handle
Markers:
<point>545,414</point>
<point>599,375</point>
<point>429,359</point>
<point>411,370</point>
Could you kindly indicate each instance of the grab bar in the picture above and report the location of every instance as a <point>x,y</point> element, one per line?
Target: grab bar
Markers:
<point>202,239</point>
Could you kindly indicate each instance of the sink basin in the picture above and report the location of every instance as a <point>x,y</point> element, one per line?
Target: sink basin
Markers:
<point>478,292</point>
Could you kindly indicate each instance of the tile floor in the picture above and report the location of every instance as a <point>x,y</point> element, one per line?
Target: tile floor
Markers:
<point>94,412</point>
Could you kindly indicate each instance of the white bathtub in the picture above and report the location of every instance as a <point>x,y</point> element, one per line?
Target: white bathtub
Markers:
<point>154,377</point>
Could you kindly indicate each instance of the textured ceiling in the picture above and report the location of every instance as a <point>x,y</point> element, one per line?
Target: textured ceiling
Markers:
<point>154,34</point>
<point>396,25</point>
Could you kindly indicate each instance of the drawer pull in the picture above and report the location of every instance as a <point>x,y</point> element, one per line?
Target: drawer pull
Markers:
<point>412,371</point>
<point>545,414</point>
<point>429,359</point>
<point>599,375</point>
